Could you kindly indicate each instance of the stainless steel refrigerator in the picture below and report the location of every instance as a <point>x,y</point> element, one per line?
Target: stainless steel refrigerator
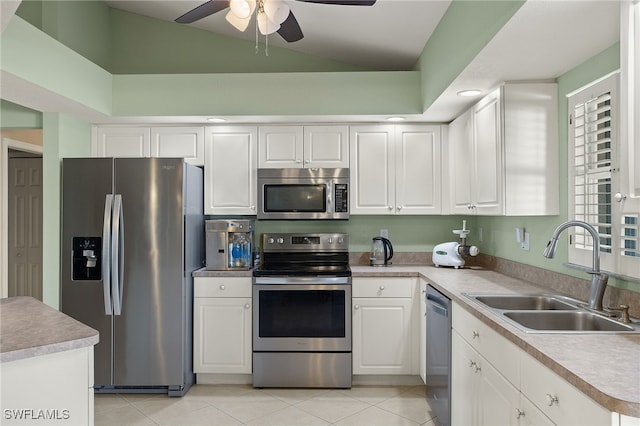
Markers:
<point>132,234</point>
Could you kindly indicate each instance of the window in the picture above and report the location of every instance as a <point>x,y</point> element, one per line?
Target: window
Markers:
<point>595,181</point>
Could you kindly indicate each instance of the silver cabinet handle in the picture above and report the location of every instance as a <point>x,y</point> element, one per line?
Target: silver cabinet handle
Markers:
<point>472,364</point>
<point>619,197</point>
<point>475,334</point>
<point>247,306</point>
<point>356,307</point>
<point>519,413</point>
<point>553,399</point>
<point>381,287</point>
<point>222,287</point>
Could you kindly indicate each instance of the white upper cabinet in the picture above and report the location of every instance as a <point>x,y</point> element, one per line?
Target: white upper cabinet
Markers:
<point>122,142</point>
<point>303,146</point>
<point>503,153</point>
<point>185,142</point>
<point>230,172</point>
<point>179,141</point>
<point>395,169</point>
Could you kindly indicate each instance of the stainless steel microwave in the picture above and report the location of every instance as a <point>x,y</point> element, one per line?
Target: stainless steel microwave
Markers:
<point>312,193</point>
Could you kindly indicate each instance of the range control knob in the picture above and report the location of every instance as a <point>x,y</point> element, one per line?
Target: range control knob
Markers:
<point>270,241</point>
<point>280,240</point>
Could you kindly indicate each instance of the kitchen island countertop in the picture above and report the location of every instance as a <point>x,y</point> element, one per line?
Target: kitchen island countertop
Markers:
<point>29,328</point>
<point>606,367</point>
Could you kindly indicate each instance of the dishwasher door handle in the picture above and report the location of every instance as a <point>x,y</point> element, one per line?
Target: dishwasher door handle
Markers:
<point>438,308</point>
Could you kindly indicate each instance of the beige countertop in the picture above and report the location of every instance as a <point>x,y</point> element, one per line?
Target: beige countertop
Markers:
<point>29,328</point>
<point>606,367</point>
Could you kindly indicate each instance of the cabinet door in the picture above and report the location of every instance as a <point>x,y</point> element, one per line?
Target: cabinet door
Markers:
<point>529,415</point>
<point>417,170</point>
<point>498,399</point>
<point>183,142</point>
<point>382,336</point>
<point>326,146</point>
<point>488,185</point>
<point>230,174</point>
<point>460,164</point>
<point>372,169</point>
<point>122,142</point>
<point>280,146</point>
<point>222,335</point>
<point>464,384</point>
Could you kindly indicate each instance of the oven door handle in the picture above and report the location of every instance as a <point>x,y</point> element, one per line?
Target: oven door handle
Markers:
<point>301,280</point>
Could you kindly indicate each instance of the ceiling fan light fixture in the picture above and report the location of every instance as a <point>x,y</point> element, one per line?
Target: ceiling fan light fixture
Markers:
<point>277,11</point>
<point>265,25</point>
<point>239,24</point>
<point>242,8</point>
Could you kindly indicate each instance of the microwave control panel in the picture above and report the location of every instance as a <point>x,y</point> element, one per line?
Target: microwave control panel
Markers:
<point>342,198</point>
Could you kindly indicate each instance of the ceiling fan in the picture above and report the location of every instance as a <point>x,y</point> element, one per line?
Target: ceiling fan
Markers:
<point>272,15</point>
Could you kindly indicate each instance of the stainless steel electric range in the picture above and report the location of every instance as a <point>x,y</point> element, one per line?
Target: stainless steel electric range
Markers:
<point>302,311</point>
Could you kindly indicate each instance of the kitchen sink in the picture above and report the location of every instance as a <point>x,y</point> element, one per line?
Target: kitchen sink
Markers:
<point>549,313</point>
<point>567,321</point>
<point>528,302</point>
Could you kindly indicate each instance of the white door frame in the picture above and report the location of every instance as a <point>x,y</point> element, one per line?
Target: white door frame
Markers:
<point>7,144</point>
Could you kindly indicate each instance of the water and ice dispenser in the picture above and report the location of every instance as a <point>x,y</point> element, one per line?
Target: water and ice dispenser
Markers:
<point>87,258</point>
<point>229,244</point>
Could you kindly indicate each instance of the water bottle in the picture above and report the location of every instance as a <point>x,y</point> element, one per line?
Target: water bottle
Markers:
<point>236,251</point>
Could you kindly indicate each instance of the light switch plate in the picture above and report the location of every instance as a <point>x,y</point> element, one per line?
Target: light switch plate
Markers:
<point>524,245</point>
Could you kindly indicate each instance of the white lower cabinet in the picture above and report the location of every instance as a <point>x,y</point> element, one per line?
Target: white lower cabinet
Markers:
<point>496,383</point>
<point>382,326</point>
<point>55,388</point>
<point>559,400</point>
<point>222,325</point>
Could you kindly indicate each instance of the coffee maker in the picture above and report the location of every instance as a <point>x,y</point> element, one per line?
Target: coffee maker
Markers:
<point>229,244</point>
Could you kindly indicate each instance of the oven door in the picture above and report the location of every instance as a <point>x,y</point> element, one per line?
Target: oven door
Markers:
<point>302,314</point>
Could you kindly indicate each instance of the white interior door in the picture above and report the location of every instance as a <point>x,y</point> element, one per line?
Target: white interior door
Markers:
<point>25,227</point>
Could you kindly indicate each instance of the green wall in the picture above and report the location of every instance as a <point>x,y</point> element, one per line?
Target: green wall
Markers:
<point>14,116</point>
<point>63,136</point>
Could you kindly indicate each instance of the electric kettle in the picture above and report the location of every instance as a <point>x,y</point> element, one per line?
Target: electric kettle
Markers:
<point>381,252</point>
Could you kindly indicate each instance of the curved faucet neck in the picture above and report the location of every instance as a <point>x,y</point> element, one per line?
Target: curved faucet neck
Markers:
<point>594,235</point>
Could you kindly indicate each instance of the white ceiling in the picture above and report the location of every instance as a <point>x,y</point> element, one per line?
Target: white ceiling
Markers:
<point>543,40</point>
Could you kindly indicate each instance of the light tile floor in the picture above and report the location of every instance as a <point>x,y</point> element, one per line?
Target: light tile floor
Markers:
<point>243,405</point>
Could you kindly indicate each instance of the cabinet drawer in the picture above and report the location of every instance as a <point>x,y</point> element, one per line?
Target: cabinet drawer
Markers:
<point>383,287</point>
<point>222,287</point>
<point>499,351</point>
<point>558,399</point>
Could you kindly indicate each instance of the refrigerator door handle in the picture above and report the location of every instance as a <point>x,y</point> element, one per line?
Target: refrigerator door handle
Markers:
<point>106,254</point>
<point>117,254</point>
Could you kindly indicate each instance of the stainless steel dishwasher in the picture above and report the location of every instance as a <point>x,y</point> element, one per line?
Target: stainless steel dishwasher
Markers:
<point>438,353</point>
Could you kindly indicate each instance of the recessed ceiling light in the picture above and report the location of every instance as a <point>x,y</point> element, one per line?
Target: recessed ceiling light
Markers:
<point>395,118</point>
<point>216,120</point>
<point>469,92</point>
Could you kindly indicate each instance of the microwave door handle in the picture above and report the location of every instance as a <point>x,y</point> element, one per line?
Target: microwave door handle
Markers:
<point>330,197</point>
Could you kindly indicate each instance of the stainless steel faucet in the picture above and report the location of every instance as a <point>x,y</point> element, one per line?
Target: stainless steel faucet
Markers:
<point>598,279</point>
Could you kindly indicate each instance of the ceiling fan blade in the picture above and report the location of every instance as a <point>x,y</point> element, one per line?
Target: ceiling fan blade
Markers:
<point>202,11</point>
<point>290,29</point>
<point>343,2</point>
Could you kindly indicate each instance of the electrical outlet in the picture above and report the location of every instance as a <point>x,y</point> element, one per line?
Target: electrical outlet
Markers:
<point>384,233</point>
